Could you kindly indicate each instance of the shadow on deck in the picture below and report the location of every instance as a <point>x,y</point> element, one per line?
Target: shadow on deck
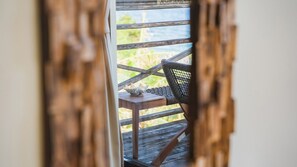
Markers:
<point>153,139</point>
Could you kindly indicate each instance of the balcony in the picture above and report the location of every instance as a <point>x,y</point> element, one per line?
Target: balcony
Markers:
<point>153,136</point>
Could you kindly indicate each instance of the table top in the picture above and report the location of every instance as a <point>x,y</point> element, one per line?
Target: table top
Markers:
<point>140,99</point>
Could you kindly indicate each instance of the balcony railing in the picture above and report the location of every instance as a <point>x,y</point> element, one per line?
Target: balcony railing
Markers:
<point>151,4</point>
<point>166,129</point>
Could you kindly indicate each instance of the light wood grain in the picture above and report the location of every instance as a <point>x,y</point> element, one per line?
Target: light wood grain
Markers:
<point>74,74</point>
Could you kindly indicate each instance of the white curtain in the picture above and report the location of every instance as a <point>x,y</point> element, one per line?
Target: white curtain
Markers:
<point>109,44</point>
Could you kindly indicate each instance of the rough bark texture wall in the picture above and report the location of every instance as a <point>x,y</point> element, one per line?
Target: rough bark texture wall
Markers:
<point>75,83</point>
<point>215,51</point>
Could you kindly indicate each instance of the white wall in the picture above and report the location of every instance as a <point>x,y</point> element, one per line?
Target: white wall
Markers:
<point>266,84</point>
<point>20,114</point>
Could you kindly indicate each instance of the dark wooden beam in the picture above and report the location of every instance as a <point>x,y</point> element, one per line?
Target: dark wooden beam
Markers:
<point>153,116</point>
<point>124,67</point>
<point>149,25</point>
<point>152,1</point>
<point>149,6</point>
<point>136,1</point>
<point>153,69</point>
<point>153,44</point>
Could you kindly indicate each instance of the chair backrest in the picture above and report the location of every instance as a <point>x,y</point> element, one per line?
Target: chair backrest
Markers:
<point>178,77</point>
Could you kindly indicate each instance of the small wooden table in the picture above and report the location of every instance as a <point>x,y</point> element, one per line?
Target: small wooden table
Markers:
<point>135,104</point>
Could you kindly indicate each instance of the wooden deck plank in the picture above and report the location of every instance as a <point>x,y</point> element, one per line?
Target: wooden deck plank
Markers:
<point>159,127</point>
<point>152,153</point>
<point>154,143</point>
<point>153,139</point>
<point>156,140</point>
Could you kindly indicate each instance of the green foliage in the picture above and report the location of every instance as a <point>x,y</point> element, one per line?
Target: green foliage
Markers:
<point>127,36</point>
<point>126,56</point>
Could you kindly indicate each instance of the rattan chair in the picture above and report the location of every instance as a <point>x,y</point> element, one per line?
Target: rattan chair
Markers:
<point>178,77</point>
<point>164,91</point>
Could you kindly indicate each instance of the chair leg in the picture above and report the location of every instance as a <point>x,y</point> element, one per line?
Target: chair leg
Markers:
<point>170,146</point>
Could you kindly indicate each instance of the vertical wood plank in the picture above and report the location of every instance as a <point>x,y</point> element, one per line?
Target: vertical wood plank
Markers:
<point>75,82</point>
<point>215,49</point>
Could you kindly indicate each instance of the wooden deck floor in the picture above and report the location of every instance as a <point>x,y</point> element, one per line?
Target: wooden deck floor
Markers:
<point>153,139</point>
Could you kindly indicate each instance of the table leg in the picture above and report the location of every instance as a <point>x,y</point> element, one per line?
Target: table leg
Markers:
<point>135,129</point>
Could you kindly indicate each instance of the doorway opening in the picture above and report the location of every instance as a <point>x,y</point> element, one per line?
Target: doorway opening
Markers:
<point>149,31</point>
